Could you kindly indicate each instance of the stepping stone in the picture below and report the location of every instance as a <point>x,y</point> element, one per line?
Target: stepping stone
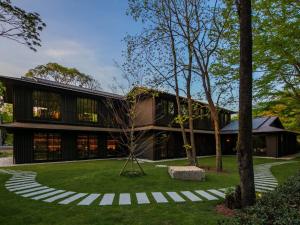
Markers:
<point>206,195</point>
<point>24,187</point>
<point>107,199</point>
<point>20,184</point>
<point>18,180</point>
<point>264,187</point>
<point>30,190</point>
<point>23,180</point>
<point>38,192</point>
<point>63,195</point>
<point>266,184</point>
<point>142,198</point>
<point>217,193</point>
<point>191,196</point>
<point>260,190</point>
<point>89,199</point>
<point>176,197</point>
<point>72,198</point>
<point>124,199</point>
<point>159,198</point>
<point>267,180</point>
<point>47,195</point>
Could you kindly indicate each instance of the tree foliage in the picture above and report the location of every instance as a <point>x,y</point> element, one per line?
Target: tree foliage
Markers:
<point>18,25</point>
<point>63,75</point>
<point>276,57</point>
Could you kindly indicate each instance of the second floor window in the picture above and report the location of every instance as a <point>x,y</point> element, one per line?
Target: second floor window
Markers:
<point>87,110</point>
<point>46,105</point>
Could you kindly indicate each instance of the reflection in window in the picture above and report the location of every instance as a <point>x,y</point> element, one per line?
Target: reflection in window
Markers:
<point>168,107</point>
<point>112,145</point>
<point>46,105</point>
<point>87,146</point>
<point>47,146</point>
<point>87,110</point>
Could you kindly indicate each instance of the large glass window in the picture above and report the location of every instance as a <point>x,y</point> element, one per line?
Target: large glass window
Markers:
<point>168,107</point>
<point>47,146</point>
<point>87,146</point>
<point>46,105</point>
<point>87,110</point>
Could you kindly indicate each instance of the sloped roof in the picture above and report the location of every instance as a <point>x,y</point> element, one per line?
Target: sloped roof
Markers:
<point>48,83</point>
<point>259,125</point>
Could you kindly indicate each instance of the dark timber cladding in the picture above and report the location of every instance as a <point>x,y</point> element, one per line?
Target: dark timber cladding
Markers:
<point>54,122</point>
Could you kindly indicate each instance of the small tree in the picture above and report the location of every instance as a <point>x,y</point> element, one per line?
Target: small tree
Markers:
<point>63,75</point>
<point>19,25</point>
<point>125,115</point>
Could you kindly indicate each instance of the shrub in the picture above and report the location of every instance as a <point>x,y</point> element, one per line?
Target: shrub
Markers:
<point>279,207</point>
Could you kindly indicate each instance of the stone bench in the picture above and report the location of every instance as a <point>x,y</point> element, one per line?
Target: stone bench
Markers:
<point>186,172</point>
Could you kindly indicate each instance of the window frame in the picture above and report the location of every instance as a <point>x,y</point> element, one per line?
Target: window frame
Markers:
<point>82,104</point>
<point>42,99</point>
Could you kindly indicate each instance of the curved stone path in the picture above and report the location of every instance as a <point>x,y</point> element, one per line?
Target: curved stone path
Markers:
<point>23,183</point>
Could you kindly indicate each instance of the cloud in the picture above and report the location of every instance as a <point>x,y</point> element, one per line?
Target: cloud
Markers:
<point>16,60</point>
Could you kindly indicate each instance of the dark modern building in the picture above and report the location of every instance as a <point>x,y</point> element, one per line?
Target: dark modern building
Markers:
<point>269,138</point>
<point>53,122</point>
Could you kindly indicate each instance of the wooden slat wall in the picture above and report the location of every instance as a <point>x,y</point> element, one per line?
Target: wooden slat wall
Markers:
<point>23,147</point>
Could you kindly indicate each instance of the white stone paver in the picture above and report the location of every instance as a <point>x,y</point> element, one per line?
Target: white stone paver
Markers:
<point>191,196</point>
<point>266,184</point>
<point>38,192</point>
<point>218,193</point>
<point>20,184</point>
<point>265,187</point>
<point>47,194</point>
<point>89,199</point>
<point>124,199</point>
<point>107,199</point>
<point>206,195</point>
<point>60,196</point>
<point>159,197</point>
<point>175,196</point>
<point>23,187</point>
<point>72,198</point>
<point>142,198</point>
<point>30,190</point>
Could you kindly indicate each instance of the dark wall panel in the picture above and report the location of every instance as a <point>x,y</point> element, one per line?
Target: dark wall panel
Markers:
<point>23,147</point>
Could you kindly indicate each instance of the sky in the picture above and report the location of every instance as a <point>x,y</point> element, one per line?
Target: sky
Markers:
<point>83,34</point>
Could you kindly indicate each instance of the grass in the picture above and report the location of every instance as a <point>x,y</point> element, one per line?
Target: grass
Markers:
<point>102,177</point>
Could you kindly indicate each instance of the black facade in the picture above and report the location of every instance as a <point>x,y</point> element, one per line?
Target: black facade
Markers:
<point>54,122</point>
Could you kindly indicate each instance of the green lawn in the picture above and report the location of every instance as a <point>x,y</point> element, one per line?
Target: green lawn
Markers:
<point>102,177</point>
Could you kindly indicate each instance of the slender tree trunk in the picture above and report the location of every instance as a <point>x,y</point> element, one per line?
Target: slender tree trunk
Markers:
<point>183,133</point>
<point>217,132</point>
<point>215,117</point>
<point>175,72</point>
<point>192,135</point>
<point>244,144</point>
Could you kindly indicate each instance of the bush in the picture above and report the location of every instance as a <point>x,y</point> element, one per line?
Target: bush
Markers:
<point>279,207</point>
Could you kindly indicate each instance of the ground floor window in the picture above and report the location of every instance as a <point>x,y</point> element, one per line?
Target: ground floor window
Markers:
<point>259,144</point>
<point>112,147</point>
<point>87,146</point>
<point>47,146</point>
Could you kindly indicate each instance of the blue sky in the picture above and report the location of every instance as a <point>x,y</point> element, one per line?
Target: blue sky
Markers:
<point>83,34</point>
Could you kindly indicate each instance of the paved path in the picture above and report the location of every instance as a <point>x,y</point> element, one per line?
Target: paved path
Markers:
<point>24,183</point>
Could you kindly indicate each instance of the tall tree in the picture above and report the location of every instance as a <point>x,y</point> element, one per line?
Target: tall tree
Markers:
<point>18,25</point>
<point>244,144</point>
<point>164,54</point>
<point>63,75</point>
